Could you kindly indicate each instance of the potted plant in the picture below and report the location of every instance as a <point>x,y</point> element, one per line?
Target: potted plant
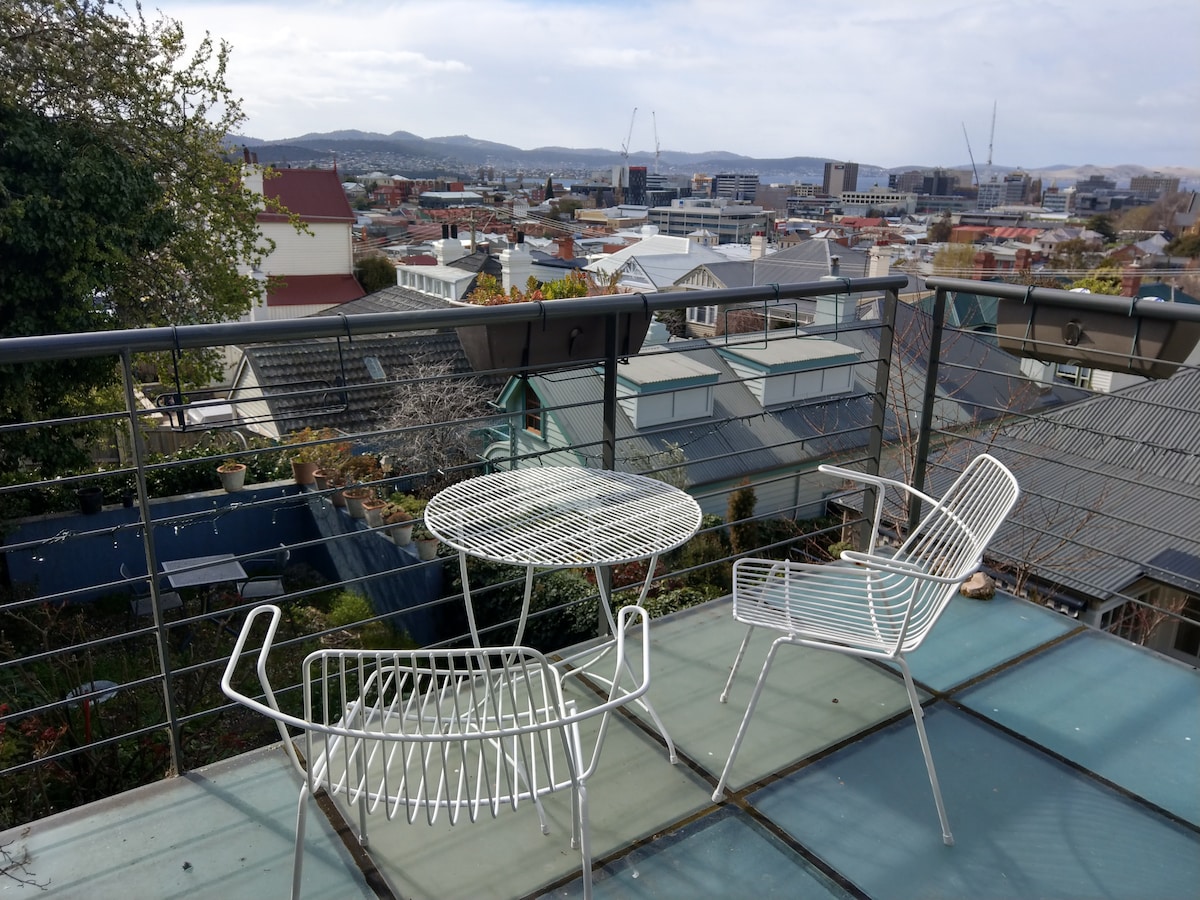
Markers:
<point>356,496</point>
<point>233,475</point>
<point>91,499</point>
<point>545,342</point>
<point>402,512</point>
<point>373,508</point>
<point>307,459</point>
<point>427,544</point>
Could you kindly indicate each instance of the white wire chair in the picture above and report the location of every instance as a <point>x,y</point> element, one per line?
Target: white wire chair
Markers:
<point>877,604</point>
<point>430,733</point>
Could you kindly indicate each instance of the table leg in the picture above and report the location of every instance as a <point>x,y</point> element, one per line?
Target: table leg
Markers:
<point>644,700</point>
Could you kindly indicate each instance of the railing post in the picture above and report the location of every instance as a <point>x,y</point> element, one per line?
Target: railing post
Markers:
<point>138,447</point>
<point>879,407</point>
<point>609,448</point>
<point>921,456</point>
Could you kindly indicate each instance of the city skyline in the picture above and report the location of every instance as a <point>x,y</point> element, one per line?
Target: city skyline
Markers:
<point>1073,83</point>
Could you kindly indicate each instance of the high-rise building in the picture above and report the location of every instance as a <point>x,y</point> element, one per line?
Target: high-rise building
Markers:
<point>840,177</point>
<point>636,193</point>
<point>1148,187</point>
<point>735,186</point>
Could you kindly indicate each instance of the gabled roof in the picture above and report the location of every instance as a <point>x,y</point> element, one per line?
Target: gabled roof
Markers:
<point>1111,484</point>
<point>742,438</point>
<point>655,244</point>
<point>315,195</point>
<point>330,382</point>
<point>312,290</point>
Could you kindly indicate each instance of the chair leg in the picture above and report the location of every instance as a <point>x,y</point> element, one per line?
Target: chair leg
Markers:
<point>737,661</point>
<point>919,717</point>
<point>719,793</point>
<point>585,839</point>
<point>298,862</point>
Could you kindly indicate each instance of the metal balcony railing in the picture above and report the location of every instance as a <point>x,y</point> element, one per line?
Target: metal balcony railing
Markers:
<point>102,692</point>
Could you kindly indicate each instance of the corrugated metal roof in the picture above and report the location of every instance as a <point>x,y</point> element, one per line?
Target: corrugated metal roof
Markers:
<point>1111,487</point>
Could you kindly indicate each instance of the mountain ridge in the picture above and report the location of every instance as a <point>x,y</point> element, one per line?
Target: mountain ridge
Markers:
<point>465,151</point>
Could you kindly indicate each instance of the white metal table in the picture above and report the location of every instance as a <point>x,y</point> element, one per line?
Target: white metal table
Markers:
<point>563,517</point>
<point>203,571</point>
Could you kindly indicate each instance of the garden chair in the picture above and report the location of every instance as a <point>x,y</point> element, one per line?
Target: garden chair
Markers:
<point>141,601</point>
<point>266,576</point>
<point>441,734</point>
<point>875,603</point>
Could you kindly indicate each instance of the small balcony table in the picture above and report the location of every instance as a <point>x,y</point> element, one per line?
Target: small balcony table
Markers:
<point>203,572</point>
<point>564,517</point>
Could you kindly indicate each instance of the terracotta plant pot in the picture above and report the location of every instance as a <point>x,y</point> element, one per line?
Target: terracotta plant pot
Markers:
<point>402,534</point>
<point>373,512</point>
<point>233,476</point>
<point>355,498</point>
<point>427,549</point>
<point>303,472</point>
<point>320,479</point>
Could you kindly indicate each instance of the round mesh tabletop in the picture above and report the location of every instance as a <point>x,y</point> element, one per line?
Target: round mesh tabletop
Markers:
<point>562,516</point>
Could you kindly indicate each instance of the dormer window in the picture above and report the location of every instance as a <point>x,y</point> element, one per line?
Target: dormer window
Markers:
<point>788,370</point>
<point>664,388</point>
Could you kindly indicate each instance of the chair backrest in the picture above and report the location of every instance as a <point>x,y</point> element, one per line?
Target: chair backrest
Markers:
<point>464,731</point>
<point>951,536</point>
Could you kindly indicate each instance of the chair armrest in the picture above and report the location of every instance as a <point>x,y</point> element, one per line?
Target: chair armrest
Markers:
<point>883,484</point>
<point>618,695</point>
<point>903,567</point>
<point>271,707</point>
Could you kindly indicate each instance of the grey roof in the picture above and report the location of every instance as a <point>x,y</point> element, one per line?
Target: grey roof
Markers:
<point>1111,487</point>
<point>303,381</point>
<point>742,438</point>
<point>804,262</point>
<point>391,299</point>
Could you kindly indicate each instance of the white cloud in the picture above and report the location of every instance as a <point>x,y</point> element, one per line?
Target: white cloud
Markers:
<point>886,83</point>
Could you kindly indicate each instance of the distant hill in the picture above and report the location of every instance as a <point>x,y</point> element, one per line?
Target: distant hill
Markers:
<point>404,151</point>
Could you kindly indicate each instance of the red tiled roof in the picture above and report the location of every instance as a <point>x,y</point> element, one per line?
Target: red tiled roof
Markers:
<point>315,195</point>
<point>303,290</point>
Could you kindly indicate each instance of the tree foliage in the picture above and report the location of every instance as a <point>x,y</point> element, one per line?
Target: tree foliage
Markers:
<point>119,208</point>
<point>954,259</point>
<point>375,273</point>
<point>75,213</point>
<point>136,87</point>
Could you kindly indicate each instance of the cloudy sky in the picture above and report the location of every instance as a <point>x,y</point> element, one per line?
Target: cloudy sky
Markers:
<point>881,82</point>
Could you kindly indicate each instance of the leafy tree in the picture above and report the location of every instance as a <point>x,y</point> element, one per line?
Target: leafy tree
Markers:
<point>131,82</point>
<point>75,213</point>
<point>151,120</point>
<point>1072,256</point>
<point>375,273</point>
<point>939,231</point>
<point>1185,245</point>
<point>1103,226</point>
<point>954,259</point>
<point>550,187</point>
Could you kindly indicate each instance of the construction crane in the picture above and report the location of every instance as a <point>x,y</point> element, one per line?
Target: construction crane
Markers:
<point>970,154</point>
<point>991,137</point>
<point>624,174</point>
<point>654,119</point>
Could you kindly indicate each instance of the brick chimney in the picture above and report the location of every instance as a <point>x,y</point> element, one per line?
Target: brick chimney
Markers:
<point>758,245</point>
<point>566,247</point>
<point>984,262</point>
<point>880,261</point>
<point>1131,280</point>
